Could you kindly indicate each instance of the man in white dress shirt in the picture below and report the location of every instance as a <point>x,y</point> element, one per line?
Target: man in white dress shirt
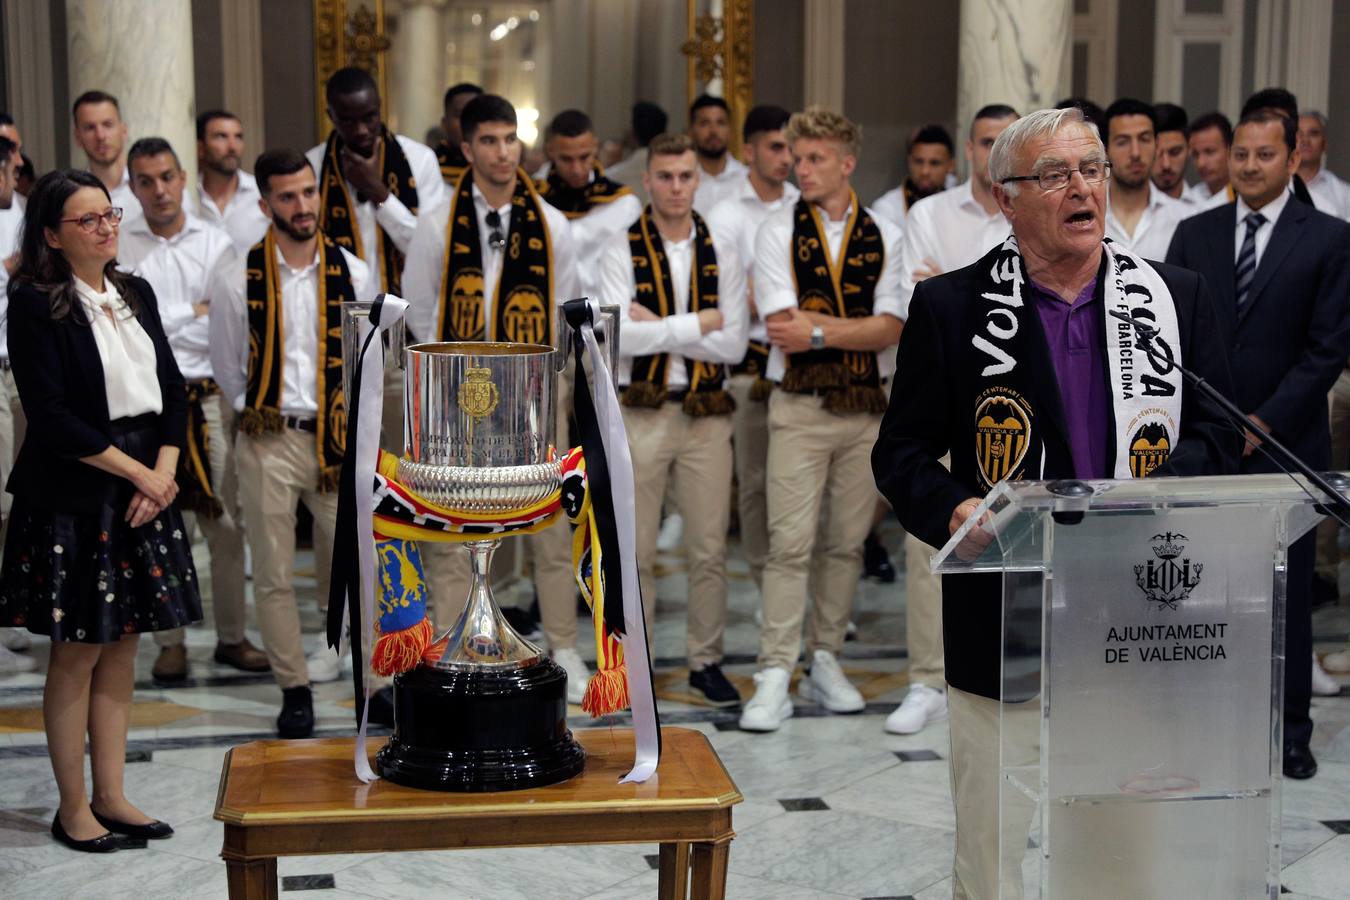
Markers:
<point>287,387</point>
<point>1207,141</point>
<point>827,283</point>
<point>102,135</point>
<point>720,172</point>
<point>1169,158</point>
<point>930,157</point>
<point>178,254</point>
<point>481,292</point>
<point>682,298</point>
<point>1330,194</point>
<point>227,196</point>
<point>1137,214</point>
<point>648,120</point>
<point>735,222</point>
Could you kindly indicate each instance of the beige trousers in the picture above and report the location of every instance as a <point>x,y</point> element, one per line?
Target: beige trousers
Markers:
<point>1328,553</point>
<point>693,454</point>
<point>275,472</point>
<point>224,535</point>
<point>12,428</point>
<point>750,439</point>
<point>814,454</point>
<point>976,788</point>
<point>923,617</point>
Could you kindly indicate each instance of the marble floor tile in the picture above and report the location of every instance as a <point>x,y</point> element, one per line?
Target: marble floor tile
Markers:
<point>739,887</point>
<point>769,767</point>
<point>126,874</point>
<point>1300,836</point>
<point>915,792</point>
<point>1323,873</point>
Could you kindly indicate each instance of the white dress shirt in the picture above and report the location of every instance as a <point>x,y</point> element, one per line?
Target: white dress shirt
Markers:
<point>1271,211</point>
<point>775,289</point>
<point>1153,232</point>
<point>951,229</point>
<point>300,323</point>
<point>677,334</point>
<point>242,219</point>
<point>425,262</point>
<point>393,217</point>
<point>629,171</point>
<point>11,231</point>
<point>179,268</point>
<point>736,221</point>
<point>130,372</point>
<point>592,232</point>
<point>891,207</point>
<point>1196,194</point>
<point>1330,194</point>
<point>713,188</point>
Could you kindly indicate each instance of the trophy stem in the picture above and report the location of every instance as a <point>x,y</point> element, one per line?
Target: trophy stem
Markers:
<point>482,638</point>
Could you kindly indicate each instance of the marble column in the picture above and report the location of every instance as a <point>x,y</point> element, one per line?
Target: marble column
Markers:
<point>823,65</point>
<point>418,62</point>
<point>28,37</point>
<point>241,59</point>
<point>1014,52</point>
<point>142,58</point>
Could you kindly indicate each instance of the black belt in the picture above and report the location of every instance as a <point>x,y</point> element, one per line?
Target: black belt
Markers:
<point>299,424</point>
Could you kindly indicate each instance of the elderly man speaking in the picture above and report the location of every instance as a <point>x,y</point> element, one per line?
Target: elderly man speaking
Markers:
<point>1025,333</point>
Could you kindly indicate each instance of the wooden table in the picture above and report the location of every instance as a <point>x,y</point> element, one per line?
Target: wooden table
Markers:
<point>299,798</point>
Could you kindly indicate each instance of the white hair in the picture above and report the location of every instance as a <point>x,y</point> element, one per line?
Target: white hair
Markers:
<point>1041,124</point>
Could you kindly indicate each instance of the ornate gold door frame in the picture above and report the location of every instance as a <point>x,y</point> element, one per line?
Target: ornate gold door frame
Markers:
<point>723,47</point>
<point>347,34</point>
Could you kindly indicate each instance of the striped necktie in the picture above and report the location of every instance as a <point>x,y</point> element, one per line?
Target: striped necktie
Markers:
<point>1246,261</point>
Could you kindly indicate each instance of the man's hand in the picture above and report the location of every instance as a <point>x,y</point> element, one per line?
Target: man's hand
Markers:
<point>365,174</point>
<point>927,270</point>
<point>1253,439</point>
<point>790,331</point>
<point>709,320</point>
<point>977,539</point>
<point>201,308</point>
<point>639,313</point>
<point>12,263</point>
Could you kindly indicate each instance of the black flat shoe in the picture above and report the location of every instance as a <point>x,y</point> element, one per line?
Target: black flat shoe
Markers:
<point>151,831</point>
<point>297,713</point>
<point>104,843</point>
<point>1298,761</point>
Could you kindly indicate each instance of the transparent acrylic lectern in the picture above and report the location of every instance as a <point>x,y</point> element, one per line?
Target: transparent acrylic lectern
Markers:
<point>1142,679</point>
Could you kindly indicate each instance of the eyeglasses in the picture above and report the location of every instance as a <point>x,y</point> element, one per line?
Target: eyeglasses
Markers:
<point>89,222</point>
<point>496,240</point>
<point>1057,178</point>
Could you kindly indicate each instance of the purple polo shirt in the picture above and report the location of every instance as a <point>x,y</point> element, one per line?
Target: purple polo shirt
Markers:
<point>1075,335</point>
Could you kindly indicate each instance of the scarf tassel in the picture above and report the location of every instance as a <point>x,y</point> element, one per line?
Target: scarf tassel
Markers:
<point>254,421</point>
<point>761,389</point>
<point>644,394</point>
<point>857,399</point>
<point>607,691</point>
<point>399,651</point>
<point>709,403</point>
<point>808,377</point>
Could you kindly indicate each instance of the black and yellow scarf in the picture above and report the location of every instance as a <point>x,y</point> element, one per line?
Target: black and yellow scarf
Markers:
<point>337,215</point>
<point>576,202</point>
<point>707,395</point>
<point>195,490</point>
<point>267,351</point>
<point>452,162</point>
<point>522,307</point>
<point>845,286</point>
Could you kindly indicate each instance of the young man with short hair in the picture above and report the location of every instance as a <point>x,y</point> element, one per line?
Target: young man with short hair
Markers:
<point>930,157</point>
<point>227,196</point>
<point>102,135</point>
<point>720,172</point>
<point>1207,141</point>
<point>449,156</point>
<point>1137,214</point>
<point>1169,162</point>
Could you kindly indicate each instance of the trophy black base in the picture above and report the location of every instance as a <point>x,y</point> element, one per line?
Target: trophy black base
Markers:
<point>482,730</point>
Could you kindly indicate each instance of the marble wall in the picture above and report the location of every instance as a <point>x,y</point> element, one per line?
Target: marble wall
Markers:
<point>1013,51</point>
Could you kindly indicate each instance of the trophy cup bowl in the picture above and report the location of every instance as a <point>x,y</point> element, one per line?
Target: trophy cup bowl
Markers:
<point>479,436</point>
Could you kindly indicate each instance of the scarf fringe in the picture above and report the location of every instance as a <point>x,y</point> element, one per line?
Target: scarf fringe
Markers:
<point>857,399</point>
<point>761,389</point>
<point>709,403</point>
<point>399,651</point>
<point>805,379</point>
<point>254,421</point>
<point>607,691</point>
<point>644,394</point>
<point>197,501</point>
<point>329,478</point>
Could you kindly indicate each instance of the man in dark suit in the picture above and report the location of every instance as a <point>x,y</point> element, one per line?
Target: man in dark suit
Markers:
<point>1280,272</point>
<point>1025,329</point>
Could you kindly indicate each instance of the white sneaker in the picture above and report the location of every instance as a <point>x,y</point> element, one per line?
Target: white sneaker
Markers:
<point>826,684</point>
<point>1323,685</point>
<point>1338,662</point>
<point>15,639</point>
<point>324,665</point>
<point>669,538</point>
<point>578,675</point>
<point>921,706</point>
<point>12,663</point>
<point>771,706</point>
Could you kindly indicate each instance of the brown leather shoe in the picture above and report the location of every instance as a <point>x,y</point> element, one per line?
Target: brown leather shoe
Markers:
<point>172,664</point>
<point>243,656</point>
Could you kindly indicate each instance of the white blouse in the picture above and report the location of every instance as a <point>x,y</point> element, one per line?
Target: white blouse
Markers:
<point>130,373</point>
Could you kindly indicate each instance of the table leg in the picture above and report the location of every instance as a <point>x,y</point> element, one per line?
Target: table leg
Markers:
<point>254,879</point>
<point>710,871</point>
<point>673,883</point>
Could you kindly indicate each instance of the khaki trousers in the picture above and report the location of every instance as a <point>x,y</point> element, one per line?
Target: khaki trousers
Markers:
<point>12,428</point>
<point>923,617</point>
<point>275,472</point>
<point>224,535</point>
<point>1328,553</point>
<point>814,454</point>
<point>693,454</point>
<point>976,787</point>
<point>750,439</point>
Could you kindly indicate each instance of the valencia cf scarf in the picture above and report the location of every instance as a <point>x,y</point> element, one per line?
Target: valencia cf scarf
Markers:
<point>452,162</point>
<point>338,213</point>
<point>195,491</point>
<point>576,202</point>
<point>1145,394</point>
<point>522,307</point>
<point>707,395</point>
<point>844,286</point>
<point>267,351</point>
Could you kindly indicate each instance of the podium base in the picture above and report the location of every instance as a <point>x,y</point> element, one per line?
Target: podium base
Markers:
<point>481,731</point>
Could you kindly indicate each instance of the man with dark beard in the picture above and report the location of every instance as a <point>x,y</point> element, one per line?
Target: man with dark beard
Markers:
<point>720,173</point>
<point>1137,214</point>
<point>448,154</point>
<point>227,196</point>
<point>929,160</point>
<point>1169,162</point>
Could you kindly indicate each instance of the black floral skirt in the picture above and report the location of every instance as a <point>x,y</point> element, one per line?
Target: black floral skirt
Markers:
<point>91,577</point>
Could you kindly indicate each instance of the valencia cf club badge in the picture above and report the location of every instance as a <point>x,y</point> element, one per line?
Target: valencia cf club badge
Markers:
<point>1003,419</point>
<point>1170,578</point>
<point>1150,441</point>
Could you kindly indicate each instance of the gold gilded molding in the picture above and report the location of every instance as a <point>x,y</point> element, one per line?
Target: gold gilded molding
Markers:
<point>723,47</point>
<point>347,34</point>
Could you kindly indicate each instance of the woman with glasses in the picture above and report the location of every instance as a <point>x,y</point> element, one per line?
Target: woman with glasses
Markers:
<point>96,551</point>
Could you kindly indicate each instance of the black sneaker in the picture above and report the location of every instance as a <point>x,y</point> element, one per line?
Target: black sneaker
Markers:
<point>713,685</point>
<point>876,561</point>
<point>297,713</point>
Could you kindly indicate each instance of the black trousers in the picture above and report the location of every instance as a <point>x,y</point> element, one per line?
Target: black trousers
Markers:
<point>1298,650</point>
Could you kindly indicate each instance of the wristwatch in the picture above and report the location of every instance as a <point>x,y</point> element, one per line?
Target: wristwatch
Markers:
<point>817,338</point>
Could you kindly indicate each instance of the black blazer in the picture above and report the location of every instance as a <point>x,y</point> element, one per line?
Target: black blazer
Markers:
<point>59,375</point>
<point>1293,337</point>
<point>931,413</point>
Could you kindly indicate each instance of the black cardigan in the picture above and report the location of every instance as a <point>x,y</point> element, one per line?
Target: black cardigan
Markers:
<point>59,376</point>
